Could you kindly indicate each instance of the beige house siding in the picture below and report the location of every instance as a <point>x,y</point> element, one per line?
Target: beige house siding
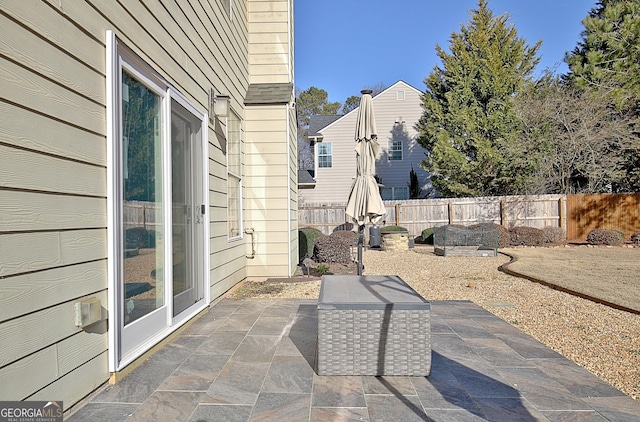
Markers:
<point>53,201</point>
<point>53,158</point>
<point>270,180</point>
<point>407,112</point>
<point>270,41</point>
<point>269,192</point>
<point>334,184</point>
<point>293,190</point>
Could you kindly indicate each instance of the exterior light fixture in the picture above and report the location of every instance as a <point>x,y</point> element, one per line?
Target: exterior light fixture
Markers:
<point>218,105</point>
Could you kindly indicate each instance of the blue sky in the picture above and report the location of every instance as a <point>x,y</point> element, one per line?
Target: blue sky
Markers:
<point>342,46</point>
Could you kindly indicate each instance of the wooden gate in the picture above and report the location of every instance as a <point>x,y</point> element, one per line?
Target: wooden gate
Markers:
<point>586,212</point>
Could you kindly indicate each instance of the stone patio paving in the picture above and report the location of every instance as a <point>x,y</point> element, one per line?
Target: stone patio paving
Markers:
<point>254,360</point>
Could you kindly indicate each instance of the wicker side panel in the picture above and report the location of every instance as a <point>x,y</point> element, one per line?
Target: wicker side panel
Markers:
<point>374,342</point>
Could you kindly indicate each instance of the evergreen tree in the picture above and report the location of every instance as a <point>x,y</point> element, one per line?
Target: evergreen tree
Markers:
<point>468,119</point>
<point>608,60</point>
<point>414,185</point>
<point>351,103</point>
<point>608,57</point>
<point>311,102</point>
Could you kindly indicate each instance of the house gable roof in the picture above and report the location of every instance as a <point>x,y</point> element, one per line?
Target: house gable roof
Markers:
<point>355,109</point>
<point>319,122</point>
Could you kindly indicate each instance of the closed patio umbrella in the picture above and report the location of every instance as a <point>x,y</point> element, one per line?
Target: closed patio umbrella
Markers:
<point>365,204</point>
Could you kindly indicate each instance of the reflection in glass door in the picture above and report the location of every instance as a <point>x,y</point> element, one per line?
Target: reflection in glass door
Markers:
<point>142,212</point>
<point>187,212</point>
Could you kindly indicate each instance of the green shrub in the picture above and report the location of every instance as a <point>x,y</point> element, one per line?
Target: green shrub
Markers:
<point>427,236</point>
<point>504,237</point>
<point>332,249</point>
<point>635,237</point>
<point>392,229</point>
<point>526,236</point>
<point>604,237</point>
<point>306,239</point>
<point>553,234</point>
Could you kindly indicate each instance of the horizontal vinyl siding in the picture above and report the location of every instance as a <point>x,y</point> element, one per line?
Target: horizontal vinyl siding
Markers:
<point>53,237</point>
<point>333,185</point>
<point>293,189</point>
<point>266,190</point>
<point>55,138</point>
<point>388,109</point>
<point>270,43</point>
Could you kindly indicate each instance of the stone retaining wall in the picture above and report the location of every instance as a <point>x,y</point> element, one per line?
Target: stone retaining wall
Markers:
<point>395,241</point>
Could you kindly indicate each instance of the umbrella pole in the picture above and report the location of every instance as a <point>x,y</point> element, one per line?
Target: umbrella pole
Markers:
<point>360,246</point>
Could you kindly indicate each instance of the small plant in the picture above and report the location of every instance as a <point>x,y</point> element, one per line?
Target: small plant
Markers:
<point>604,237</point>
<point>321,269</point>
<point>526,236</point>
<point>635,237</point>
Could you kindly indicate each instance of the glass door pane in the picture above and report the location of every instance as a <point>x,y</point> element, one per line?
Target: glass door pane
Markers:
<point>142,216</point>
<point>186,200</point>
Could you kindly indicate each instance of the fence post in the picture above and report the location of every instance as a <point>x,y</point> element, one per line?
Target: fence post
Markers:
<point>397,214</point>
<point>326,220</point>
<point>562,207</point>
<point>503,210</point>
<point>450,208</point>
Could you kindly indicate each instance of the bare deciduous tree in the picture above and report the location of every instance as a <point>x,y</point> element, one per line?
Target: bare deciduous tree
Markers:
<point>576,140</point>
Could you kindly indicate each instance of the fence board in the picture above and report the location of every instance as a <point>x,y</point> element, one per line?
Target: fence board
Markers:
<point>326,217</point>
<point>586,212</point>
<point>416,215</point>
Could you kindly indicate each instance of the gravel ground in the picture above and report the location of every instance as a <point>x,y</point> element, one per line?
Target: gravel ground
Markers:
<point>605,341</point>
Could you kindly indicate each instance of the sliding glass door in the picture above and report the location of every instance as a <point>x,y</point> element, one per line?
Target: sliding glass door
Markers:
<point>187,208</point>
<point>159,210</point>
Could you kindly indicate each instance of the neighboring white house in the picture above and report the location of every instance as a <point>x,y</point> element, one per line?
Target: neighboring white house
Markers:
<point>130,199</point>
<point>397,109</point>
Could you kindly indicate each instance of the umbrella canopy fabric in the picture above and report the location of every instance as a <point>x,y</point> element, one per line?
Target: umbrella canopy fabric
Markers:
<point>365,203</point>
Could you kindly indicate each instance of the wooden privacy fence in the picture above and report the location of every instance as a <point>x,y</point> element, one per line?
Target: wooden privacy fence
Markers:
<point>140,214</point>
<point>418,214</point>
<point>607,211</point>
<point>577,214</point>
